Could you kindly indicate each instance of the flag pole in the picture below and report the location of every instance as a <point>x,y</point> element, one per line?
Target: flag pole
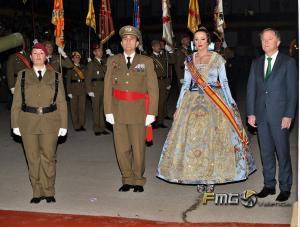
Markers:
<point>89,42</point>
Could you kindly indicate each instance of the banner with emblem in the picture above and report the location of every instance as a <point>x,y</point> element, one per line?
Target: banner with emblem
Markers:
<point>167,22</point>
<point>193,16</point>
<point>106,30</point>
<point>219,22</point>
<point>90,18</point>
<point>59,22</point>
<point>136,14</point>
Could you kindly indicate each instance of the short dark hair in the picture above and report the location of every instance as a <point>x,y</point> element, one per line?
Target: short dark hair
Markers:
<point>277,34</point>
<point>203,29</point>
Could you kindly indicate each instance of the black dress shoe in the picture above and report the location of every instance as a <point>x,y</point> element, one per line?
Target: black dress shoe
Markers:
<point>265,192</point>
<point>50,199</point>
<point>77,130</point>
<point>125,188</point>
<point>162,126</point>
<point>35,200</point>
<point>97,133</point>
<point>168,118</point>
<point>283,196</point>
<point>105,133</point>
<point>138,188</point>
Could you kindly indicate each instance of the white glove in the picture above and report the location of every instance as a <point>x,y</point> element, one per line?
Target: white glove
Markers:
<point>16,131</point>
<point>12,90</point>
<point>89,59</point>
<point>108,52</point>
<point>168,48</point>
<point>110,118</point>
<point>70,96</point>
<point>181,81</point>
<point>62,132</point>
<point>91,94</point>
<point>62,52</point>
<point>140,47</point>
<point>149,119</point>
<point>35,41</point>
<point>169,87</point>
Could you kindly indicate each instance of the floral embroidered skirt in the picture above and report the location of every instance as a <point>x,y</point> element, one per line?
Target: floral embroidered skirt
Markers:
<point>202,146</point>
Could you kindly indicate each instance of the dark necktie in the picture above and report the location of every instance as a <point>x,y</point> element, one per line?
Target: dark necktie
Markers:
<point>128,62</point>
<point>40,75</point>
<point>269,69</point>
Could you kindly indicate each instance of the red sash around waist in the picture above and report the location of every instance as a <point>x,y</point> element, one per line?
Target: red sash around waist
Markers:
<point>132,96</point>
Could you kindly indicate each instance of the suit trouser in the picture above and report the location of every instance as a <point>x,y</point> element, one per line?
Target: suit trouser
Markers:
<point>78,110</point>
<point>274,139</point>
<point>130,151</point>
<point>40,150</point>
<point>98,112</point>
<point>162,102</point>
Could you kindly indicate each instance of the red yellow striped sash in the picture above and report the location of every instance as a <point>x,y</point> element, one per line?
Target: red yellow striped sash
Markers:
<point>216,99</point>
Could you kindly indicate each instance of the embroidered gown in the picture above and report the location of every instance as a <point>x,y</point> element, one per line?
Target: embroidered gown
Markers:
<point>202,147</point>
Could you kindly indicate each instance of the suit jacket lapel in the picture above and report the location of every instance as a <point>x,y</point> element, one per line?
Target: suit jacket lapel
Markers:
<point>276,66</point>
<point>261,68</point>
<point>46,78</point>
<point>134,61</point>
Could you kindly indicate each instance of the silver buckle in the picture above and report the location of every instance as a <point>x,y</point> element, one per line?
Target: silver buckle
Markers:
<point>39,110</point>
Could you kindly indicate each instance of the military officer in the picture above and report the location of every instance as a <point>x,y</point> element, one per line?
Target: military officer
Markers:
<point>161,59</point>
<point>53,59</point>
<point>39,116</point>
<point>76,92</point>
<point>94,86</point>
<point>181,54</point>
<point>130,104</point>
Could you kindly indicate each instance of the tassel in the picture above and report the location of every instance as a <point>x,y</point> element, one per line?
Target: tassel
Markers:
<point>149,134</point>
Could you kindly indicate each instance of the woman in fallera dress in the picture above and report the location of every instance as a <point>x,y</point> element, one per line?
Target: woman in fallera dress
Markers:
<point>205,146</point>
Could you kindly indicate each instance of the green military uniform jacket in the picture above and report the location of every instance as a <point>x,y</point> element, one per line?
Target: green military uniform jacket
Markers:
<point>65,62</point>
<point>181,54</point>
<point>14,65</point>
<point>140,77</point>
<point>94,76</point>
<point>75,85</point>
<point>161,67</point>
<point>39,94</point>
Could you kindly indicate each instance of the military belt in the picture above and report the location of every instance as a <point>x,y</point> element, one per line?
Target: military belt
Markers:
<point>39,110</point>
<point>97,79</point>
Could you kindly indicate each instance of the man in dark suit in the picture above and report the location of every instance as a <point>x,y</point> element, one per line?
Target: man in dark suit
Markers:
<point>271,105</point>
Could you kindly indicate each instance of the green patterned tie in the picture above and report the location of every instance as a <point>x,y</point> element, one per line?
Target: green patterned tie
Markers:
<point>269,69</point>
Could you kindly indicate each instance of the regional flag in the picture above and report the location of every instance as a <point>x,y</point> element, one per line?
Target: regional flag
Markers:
<point>136,14</point>
<point>194,16</point>
<point>107,27</point>
<point>59,22</point>
<point>90,17</point>
<point>167,22</point>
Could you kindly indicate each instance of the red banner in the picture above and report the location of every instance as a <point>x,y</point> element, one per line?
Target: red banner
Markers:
<point>59,22</point>
<point>106,23</point>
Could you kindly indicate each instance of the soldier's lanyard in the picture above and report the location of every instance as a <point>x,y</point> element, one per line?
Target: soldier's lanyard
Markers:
<point>79,72</point>
<point>24,60</point>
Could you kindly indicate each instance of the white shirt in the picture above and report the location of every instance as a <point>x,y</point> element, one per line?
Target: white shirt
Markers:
<point>43,71</point>
<point>156,54</point>
<point>131,57</point>
<point>274,56</point>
